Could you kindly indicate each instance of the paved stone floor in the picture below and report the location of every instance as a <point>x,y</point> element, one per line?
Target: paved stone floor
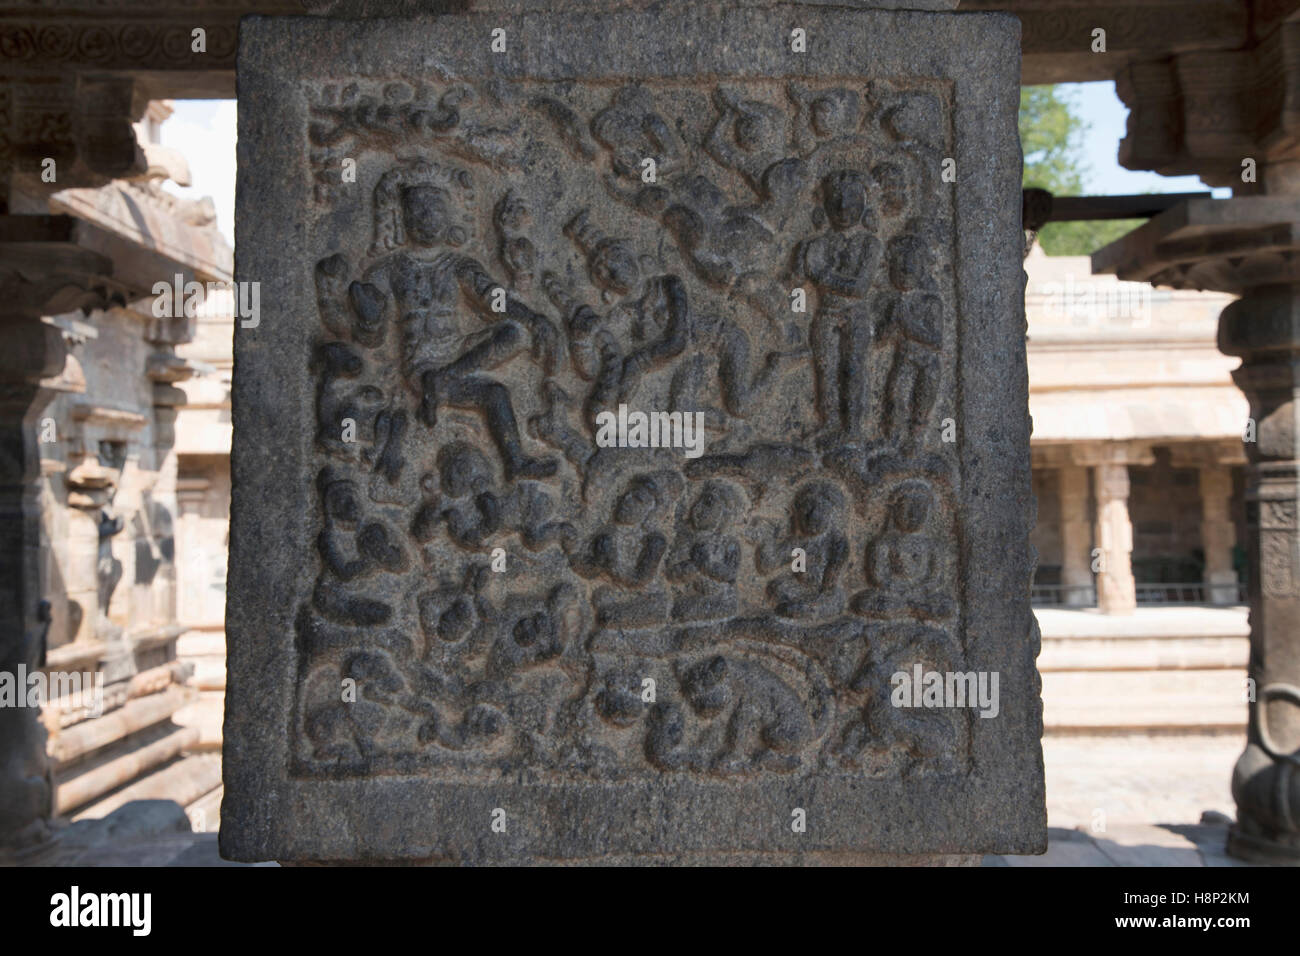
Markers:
<point>1117,800</point>
<point>1096,781</point>
<point>1136,800</point>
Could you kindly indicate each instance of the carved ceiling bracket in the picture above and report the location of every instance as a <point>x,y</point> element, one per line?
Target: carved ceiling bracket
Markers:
<point>1231,117</point>
<point>68,130</point>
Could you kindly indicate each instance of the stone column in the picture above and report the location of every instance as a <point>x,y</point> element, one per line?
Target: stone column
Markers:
<point>1263,327</point>
<point>165,369</point>
<point>33,353</point>
<point>1076,535</point>
<point>191,494</point>
<point>1218,534</point>
<point>1116,589</point>
<point>1213,462</point>
<point>40,274</point>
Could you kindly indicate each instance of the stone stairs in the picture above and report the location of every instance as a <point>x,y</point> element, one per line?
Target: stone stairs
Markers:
<point>159,739</point>
<point>1168,669</point>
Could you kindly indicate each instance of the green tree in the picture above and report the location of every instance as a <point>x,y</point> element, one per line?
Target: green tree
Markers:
<point>1051,135</point>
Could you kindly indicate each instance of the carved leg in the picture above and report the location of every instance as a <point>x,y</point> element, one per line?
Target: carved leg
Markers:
<point>826,368</point>
<point>858,372</point>
<point>493,399</point>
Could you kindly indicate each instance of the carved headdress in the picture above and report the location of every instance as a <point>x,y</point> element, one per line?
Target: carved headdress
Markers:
<point>456,182</point>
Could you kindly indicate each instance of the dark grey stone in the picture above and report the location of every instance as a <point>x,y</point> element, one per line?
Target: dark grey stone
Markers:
<point>436,341</point>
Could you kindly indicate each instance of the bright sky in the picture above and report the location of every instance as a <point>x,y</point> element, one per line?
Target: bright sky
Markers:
<point>1107,117</point>
<point>204,130</point>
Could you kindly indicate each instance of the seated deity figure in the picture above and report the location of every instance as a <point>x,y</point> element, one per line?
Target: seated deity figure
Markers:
<point>627,552</point>
<point>814,551</point>
<point>841,265</point>
<point>434,288</point>
<point>705,558</point>
<point>903,563</point>
<point>352,546</point>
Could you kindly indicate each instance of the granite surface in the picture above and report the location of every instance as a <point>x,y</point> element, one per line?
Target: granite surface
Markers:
<point>631,405</point>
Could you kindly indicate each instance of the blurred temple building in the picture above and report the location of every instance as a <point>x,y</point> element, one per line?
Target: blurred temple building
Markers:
<point>1139,475</point>
<point>1137,442</point>
<point>120,523</point>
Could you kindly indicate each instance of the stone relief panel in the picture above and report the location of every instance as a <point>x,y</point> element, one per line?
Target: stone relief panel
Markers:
<point>503,270</point>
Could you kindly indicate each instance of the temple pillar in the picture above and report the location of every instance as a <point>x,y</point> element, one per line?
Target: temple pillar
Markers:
<point>1076,536</point>
<point>25,785</point>
<point>41,275</point>
<point>1228,117</point>
<point>1263,327</point>
<point>1218,534</point>
<point>1116,587</point>
<point>1213,463</point>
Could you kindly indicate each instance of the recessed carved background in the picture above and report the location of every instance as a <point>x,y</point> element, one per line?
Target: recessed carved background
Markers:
<point>474,429</point>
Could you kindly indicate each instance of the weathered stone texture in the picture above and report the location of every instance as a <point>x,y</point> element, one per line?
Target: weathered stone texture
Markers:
<point>421,510</point>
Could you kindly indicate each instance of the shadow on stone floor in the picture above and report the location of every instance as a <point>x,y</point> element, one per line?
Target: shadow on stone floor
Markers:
<point>1133,844</point>
<point>157,833</point>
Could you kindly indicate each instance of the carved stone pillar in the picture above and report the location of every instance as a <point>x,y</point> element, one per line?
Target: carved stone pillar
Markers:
<point>1213,463</point>
<point>37,277</point>
<point>1076,536</point>
<point>1229,117</point>
<point>1263,327</point>
<point>33,353</point>
<point>1116,589</point>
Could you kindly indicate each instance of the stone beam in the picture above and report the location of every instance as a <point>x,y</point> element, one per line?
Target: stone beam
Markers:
<point>1058,39</point>
<point>1227,245</point>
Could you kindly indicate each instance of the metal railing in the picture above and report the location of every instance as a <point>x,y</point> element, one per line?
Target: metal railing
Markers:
<point>1158,593</point>
<point>1197,592</point>
<point>1063,595</point>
